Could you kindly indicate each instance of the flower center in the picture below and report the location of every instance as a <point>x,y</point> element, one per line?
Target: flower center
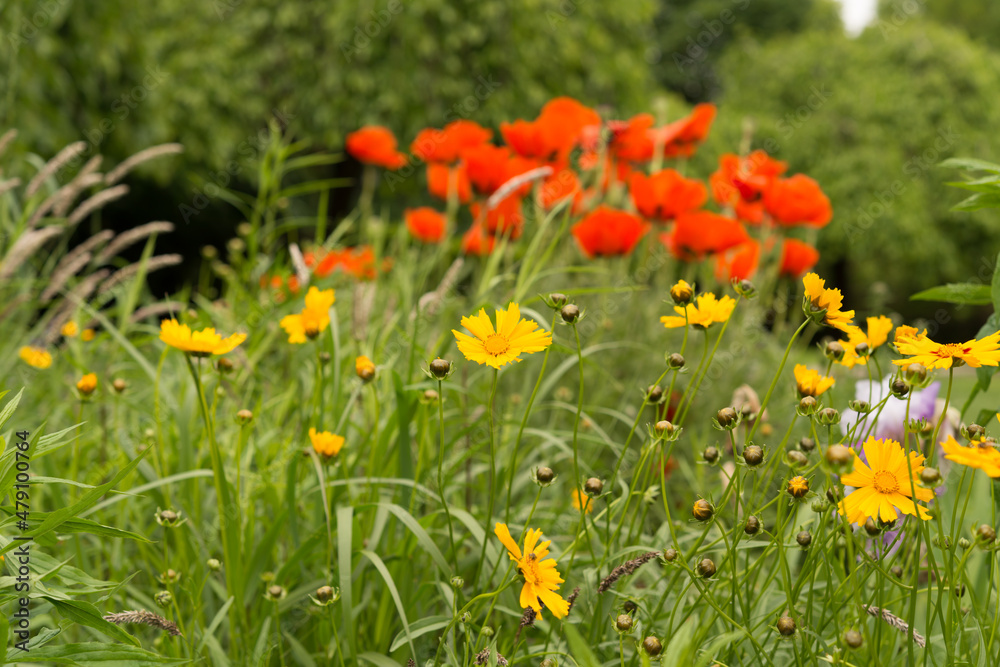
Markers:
<point>529,568</point>
<point>496,344</point>
<point>885,482</point>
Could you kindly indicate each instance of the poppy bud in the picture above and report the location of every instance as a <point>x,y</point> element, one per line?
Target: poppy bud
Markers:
<point>675,361</point>
<point>829,416</point>
<point>670,555</point>
<point>702,510</point>
<point>797,459</point>
<point>752,525</point>
<point>753,455</point>
<point>706,568</point>
<point>440,368</point>
<point>652,646</point>
<point>727,418</point>
<point>834,351</point>
<point>623,623</point>
<point>593,486</point>
<point>557,300</point>
<point>711,454</point>
<point>244,416</point>
<point>853,639</point>
<point>544,475</point>
<point>119,385</point>
<point>629,606</point>
<point>915,373</point>
<point>804,538</point>
<point>798,487</point>
<point>654,394</point>
<point>807,406</point>
<point>899,388</point>
<point>681,293</point>
<point>569,313</point>
<point>986,534</point>
<point>786,626</point>
<point>163,598</point>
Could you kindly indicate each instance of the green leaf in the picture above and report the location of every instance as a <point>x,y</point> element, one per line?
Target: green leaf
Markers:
<point>978,201</point>
<point>709,653</point>
<point>421,627</point>
<point>970,294</point>
<point>394,592</point>
<point>970,164</point>
<point>8,409</point>
<point>680,651</point>
<point>345,519</point>
<point>995,286</point>
<point>579,648</point>
<point>378,660</point>
<point>422,537</point>
<point>92,653</point>
<point>87,614</point>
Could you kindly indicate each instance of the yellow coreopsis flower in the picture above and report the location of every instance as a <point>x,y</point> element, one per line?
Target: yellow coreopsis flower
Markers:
<point>69,330</point>
<point>981,455</point>
<point>876,336</point>
<point>703,313</point>
<point>35,356</point>
<point>541,580</point>
<point>87,335</point>
<point>313,319</point>
<point>498,347</point>
<point>578,497</point>
<point>884,485</point>
<point>810,382</point>
<point>365,368</point>
<point>919,349</point>
<point>326,443</point>
<point>197,343</point>
<point>829,301</point>
<point>87,384</point>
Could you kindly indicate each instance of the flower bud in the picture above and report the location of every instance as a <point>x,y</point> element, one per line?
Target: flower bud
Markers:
<point>275,592</point>
<point>119,385</point>
<point>706,568</point>
<point>752,525</point>
<point>457,582</point>
<point>557,300</point>
<point>364,368</point>
<point>235,246</point>
<point>654,394</point>
<point>959,590</point>
<point>808,405</point>
<point>548,662</point>
<point>675,361</point>
<point>167,518</point>
<point>223,365</point>
<point>163,598</point>
<point>213,564</point>
<point>834,351</point>
<point>711,454</point>
<point>745,288</point>
<point>859,406</point>
<point>985,534</point>
<point>804,538</point>
<point>727,418</point>
<point>964,544</point>
<point>915,373</point>
<point>629,606</point>
<point>440,368</point>
<point>325,358</point>
<point>430,397</point>
<point>862,349</point>
<point>833,495</point>
<point>244,417</point>
<point>753,455</point>
<point>786,626</point>
<point>670,555</point>
<point>853,639</point>
<point>623,623</point>
<point>171,576</point>
<point>544,475</point>
<point>899,388</point>
<point>593,486</point>
<point>807,444</point>
<point>896,571</point>
<point>569,313</point>
<point>839,456</point>
<point>974,432</point>
<point>487,631</point>
<point>871,527</point>
<point>819,506</point>
<point>702,510</point>
<point>797,459</point>
<point>652,646</point>
<point>209,252</point>
<point>663,427</point>
<point>325,595</point>
<point>828,417</point>
<point>930,476</point>
<point>682,293</point>
<point>798,487</point>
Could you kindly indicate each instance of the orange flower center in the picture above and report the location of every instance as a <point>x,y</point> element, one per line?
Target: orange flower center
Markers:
<point>529,568</point>
<point>496,345</point>
<point>886,482</point>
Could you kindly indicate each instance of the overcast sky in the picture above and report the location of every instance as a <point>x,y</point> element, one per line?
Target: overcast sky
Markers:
<point>857,14</point>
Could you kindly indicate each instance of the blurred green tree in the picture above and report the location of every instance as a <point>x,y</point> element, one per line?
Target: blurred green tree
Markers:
<point>981,20</point>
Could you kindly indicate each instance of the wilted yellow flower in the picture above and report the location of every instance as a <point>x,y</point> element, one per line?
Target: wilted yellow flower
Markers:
<point>69,330</point>
<point>819,298</point>
<point>884,485</point>
<point>199,343</point>
<point>326,443</point>
<point>578,496</point>
<point>35,356</point>
<point>878,333</point>
<point>541,579</point>
<point>498,347</point>
<point>87,384</point>
<point>918,348</point>
<point>87,335</point>
<point>981,456</point>
<point>810,382</point>
<point>703,313</point>
<point>313,319</point>
<point>364,367</point>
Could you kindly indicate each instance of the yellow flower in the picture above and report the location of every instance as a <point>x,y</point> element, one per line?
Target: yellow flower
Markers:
<point>918,348</point>
<point>810,382</point>
<point>313,319</point>
<point>706,311</point>
<point>884,485</point>
<point>69,330</point>
<point>579,496</point>
<point>681,293</point>
<point>498,347</point>
<point>87,384</point>
<point>34,356</point>
<point>818,298</point>
<point>87,335</point>
<point>985,457</point>
<point>878,333</point>
<point>541,579</point>
<point>798,487</point>
<point>199,343</point>
<point>364,367</point>
<point>326,443</point>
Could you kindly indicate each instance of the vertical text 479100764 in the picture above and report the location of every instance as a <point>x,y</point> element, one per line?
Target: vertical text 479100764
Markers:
<point>21,621</point>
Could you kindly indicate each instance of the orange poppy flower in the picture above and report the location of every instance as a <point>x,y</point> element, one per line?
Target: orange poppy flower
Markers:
<point>632,140</point>
<point>476,241</point>
<point>553,134</point>
<point>607,231</point>
<point>425,224</point>
<point>681,137</point>
<point>486,166</point>
<point>374,144</point>
<point>739,183</point>
<point>504,219</point>
<point>797,257</point>
<point>558,186</point>
<point>666,194</point>
<point>357,262</point>
<point>433,145</point>
<point>697,233</point>
<point>441,177</point>
<point>738,263</point>
<point>798,201</point>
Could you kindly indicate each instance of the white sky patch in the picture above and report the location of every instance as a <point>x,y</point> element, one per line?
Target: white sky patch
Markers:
<point>857,14</point>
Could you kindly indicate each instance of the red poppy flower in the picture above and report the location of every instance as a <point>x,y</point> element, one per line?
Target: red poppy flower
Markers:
<point>681,137</point>
<point>607,231</point>
<point>374,144</point>
<point>486,165</point>
<point>433,145</point>
<point>797,257</point>
<point>697,233</point>
<point>441,177</point>
<point>357,262</point>
<point>666,194</point>
<point>798,201</point>
<point>558,186</point>
<point>554,133</point>
<point>738,263</point>
<point>739,183</point>
<point>476,241</point>
<point>632,140</point>
<point>504,219</point>
<point>425,224</point>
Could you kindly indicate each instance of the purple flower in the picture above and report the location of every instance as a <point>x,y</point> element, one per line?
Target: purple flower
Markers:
<point>890,422</point>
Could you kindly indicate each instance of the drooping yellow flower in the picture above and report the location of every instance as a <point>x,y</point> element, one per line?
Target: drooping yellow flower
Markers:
<point>883,486</point>
<point>981,455</point>
<point>919,349</point>
<point>326,443</point>
<point>35,356</point>
<point>314,318</point>
<point>499,347</point>
<point>87,384</point>
<point>810,382</point>
<point>703,313</point>
<point>198,343</point>
<point>818,298</point>
<point>365,369</point>
<point>541,579</point>
<point>87,335</point>
<point>578,497</point>
<point>69,330</point>
<point>877,335</point>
